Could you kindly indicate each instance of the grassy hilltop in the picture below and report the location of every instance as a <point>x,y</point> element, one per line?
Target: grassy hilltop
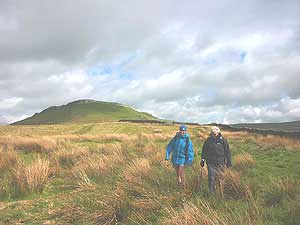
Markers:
<point>114,173</point>
<point>85,111</point>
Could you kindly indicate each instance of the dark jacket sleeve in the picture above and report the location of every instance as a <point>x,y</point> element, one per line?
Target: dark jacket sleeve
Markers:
<point>227,153</point>
<point>204,150</point>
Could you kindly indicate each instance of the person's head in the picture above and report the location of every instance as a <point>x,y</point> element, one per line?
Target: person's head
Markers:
<point>182,129</point>
<point>215,131</point>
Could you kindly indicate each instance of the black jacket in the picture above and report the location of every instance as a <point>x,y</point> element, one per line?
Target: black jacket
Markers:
<point>216,150</point>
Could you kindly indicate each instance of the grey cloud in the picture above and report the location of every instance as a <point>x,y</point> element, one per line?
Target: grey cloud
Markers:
<point>186,54</point>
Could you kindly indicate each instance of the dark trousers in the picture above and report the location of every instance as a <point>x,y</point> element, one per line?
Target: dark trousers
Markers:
<point>215,171</point>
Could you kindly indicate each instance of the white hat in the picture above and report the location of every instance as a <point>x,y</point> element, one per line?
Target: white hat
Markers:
<point>216,129</point>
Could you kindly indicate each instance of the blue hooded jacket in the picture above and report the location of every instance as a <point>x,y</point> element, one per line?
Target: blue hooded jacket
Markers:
<point>177,147</point>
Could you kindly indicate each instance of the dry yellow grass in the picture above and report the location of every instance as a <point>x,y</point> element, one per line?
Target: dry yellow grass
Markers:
<point>146,204</point>
<point>31,178</point>
<point>37,175</point>
<point>29,144</point>
<point>202,214</point>
<point>270,141</point>
<point>230,184</point>
<point>8,158</point>
<point>138,219</point>
<point>150,148</point>
<point>66,155</point>
<point>195,184</point>
<point>274,141</point>
<point>243,161</point>
<point>96,138</point>
<point>138,170</point>
<point>109,149</point>
<point>110,207</point>
<point>253,206</point>
<point>80,173</point>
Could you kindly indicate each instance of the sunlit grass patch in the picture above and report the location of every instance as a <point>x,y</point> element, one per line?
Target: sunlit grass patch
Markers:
<point>138,170</point>
<point>229,185</point>
<point>97,138</point>
<point>8,158</point>
<point>243,161</point>
<point>280,190</point>
<point>112,208</point>
<point>66,155</point>
<point>31,178</point>
<point>202,213</point>
<point>29,144</point>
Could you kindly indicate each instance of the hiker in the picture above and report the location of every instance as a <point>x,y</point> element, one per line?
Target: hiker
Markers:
<point>182,151</point>
<point>216,154</point>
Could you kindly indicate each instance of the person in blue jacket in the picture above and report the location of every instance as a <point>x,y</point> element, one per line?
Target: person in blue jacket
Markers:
<point>182,151</point>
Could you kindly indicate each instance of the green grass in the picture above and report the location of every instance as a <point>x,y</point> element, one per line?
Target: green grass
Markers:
<point>85,111</point>
<point>146,199</point>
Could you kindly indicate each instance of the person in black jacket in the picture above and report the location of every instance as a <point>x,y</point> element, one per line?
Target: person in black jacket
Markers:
<point>216,154</point>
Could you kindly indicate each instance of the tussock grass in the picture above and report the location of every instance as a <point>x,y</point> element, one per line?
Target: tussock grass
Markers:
<point>237,135</point>
<point>203,214</point>
<point>37,175</point>
<point>139,218</point>
<point>230,185</point>
<point>266,141</point>
<point>138,170</point>
<point>146,204</point>
<point>92,166</point>
<point>254,212</point>
<point>4,187</point>
<point>243,161</point>
<point>291,144</point>
<point>66,155</point>
<point>86,169</point>
<point>280,190</point>
<point>110,149</point>
<point>195,184</point>
<point>158,136</point>
<point>29,144</point>
<point>112,208</point>
<point>80,173</point>
<point>122,178</point>
<point>113,155</point>
<point>150,149</point>
<point>97,138</point>
<point>30,178</point>
<point>8,158</point>
<point>137,178</point>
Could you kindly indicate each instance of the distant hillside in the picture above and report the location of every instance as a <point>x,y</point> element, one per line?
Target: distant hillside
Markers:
<point>85,111</point>
<point>293,126</point>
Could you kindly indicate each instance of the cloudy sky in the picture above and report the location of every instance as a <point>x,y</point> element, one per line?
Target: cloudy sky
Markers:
<point>223,61</point>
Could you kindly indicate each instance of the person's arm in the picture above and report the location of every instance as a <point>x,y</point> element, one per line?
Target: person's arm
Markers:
<point>227,153</point>
<point>169,148</point>
<point>191,151</point>
<point>204,153</point>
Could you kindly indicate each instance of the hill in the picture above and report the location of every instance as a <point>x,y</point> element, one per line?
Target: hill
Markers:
<point>85,111</point>
<point>293,126</point>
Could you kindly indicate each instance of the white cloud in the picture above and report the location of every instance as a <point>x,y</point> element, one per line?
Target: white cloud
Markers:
<point>9,103</point>
<point>201,61</point>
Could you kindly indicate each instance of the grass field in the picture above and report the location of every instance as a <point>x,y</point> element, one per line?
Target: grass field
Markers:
<point>114,173</point>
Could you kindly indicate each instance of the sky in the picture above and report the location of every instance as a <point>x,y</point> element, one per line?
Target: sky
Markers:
<point>200,61</point>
